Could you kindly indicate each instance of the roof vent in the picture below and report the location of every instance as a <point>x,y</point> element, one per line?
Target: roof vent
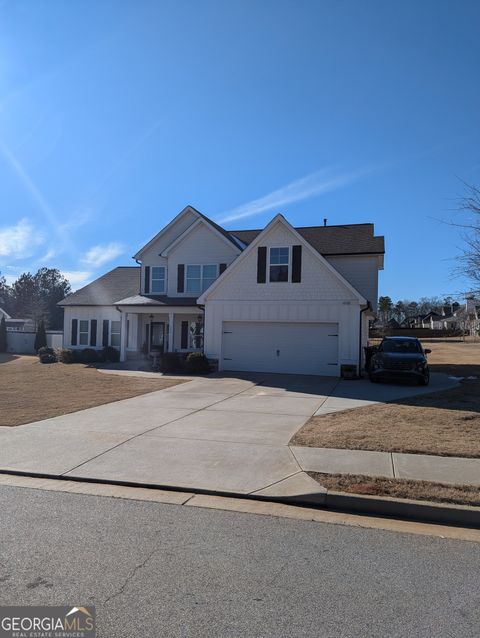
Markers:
<point>325,221</point>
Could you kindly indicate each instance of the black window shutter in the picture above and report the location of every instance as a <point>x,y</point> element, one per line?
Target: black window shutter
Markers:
<point>180,277</point>
<point>262,265</point>
<point>73,338</point>
<point>296,264</point>
<point>146,286</point>
<point>93,332</point>
<point>105,333</point>
<point>184,340</point>
<point>223,268</point>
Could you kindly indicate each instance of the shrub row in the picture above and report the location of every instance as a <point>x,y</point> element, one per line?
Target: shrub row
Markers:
<point>192,363</point>
<point>87,355</point>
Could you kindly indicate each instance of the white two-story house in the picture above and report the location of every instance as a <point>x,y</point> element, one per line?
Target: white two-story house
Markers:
<point>277,299</point>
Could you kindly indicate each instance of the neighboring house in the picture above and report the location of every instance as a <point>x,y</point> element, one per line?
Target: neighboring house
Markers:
<point>278,299</point>
<point>17,325</point>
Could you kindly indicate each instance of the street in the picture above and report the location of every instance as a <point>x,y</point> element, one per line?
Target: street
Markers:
<point>155,571</point>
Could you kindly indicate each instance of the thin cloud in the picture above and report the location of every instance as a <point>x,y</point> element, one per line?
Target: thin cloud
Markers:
<point>78,278</point>
<point>101,254</point>
<point>20,240</point>
<point>306,187</point>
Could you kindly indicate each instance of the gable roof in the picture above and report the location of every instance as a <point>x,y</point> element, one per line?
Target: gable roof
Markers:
<point>280,219</point>
<point>119,283</point>
<point>352,239</point>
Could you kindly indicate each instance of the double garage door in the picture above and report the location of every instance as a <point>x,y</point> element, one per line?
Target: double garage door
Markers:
<point>295,348</point>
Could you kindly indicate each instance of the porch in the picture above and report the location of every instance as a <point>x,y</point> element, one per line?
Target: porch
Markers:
<point>152,330</point>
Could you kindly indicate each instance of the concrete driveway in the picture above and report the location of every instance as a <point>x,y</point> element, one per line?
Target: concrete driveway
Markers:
<point>228,433</point>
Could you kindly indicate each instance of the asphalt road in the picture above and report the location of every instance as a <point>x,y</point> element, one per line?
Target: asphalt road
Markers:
<point>160,571</point>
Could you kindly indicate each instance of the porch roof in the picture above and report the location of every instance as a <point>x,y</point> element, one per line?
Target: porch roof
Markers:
<point>157,300</point>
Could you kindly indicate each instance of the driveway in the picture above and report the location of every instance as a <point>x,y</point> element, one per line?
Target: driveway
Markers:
<point>224,433</point>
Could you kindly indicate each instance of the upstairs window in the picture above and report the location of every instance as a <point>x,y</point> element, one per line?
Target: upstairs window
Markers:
<point>279,264</point>
<point>158,279</point>
<point>199,278</point>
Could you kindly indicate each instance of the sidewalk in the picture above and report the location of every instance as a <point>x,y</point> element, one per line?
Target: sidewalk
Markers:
<point>417,467</point>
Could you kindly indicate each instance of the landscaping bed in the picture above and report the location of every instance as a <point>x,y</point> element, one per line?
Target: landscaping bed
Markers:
<point>399,488</point>
<point>31,391</point>
<point>442,423</point>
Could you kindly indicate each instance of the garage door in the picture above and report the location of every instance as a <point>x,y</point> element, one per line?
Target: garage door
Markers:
<point>301,348</point>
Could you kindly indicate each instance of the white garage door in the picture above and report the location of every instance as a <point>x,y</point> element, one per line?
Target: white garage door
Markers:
<point>301,348</point>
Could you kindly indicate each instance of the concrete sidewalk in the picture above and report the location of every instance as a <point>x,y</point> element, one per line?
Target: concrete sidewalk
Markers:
<point>227,433</point>
<point>416,467</point>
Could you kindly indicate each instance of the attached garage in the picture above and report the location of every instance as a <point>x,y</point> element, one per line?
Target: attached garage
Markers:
<point>283,347</point>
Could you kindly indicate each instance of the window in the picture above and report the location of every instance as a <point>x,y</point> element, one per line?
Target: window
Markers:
<point>83,332</point>
<point>158,279</point>
<point>115,327</point>
<point>279,263</point>
<point>199,278</point>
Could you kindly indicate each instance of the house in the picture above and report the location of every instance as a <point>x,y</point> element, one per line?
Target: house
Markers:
<point>277,299</point>
<point>17,325</point>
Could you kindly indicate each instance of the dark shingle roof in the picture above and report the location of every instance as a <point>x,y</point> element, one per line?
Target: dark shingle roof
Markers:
<point>353,239</point>
<point>119,283</point>
<point>157,300</point>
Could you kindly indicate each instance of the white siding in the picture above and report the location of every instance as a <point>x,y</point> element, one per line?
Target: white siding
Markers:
<point>361,271</point>
<point>346,314</point>
<point>318,282</point>
<point>99,313</point>
<point>201,246</point>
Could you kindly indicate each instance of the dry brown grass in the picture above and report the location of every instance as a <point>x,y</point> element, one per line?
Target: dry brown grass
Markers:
<point>31,391</point>
<point>399,488</point>
<point>443,423</point>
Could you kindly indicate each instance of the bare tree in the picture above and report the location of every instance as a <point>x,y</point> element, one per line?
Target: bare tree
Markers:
<point>470,257</point>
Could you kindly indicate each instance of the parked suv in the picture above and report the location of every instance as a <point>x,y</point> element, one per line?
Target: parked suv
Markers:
<point>400,357</point>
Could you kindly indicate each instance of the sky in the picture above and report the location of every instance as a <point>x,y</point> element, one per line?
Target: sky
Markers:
<point>116,115</point>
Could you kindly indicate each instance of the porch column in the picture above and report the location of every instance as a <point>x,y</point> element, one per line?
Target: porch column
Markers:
<point>171,317</point>
<point>123,337</point>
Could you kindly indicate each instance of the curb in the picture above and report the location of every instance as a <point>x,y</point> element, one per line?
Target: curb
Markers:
<point>387,507</point>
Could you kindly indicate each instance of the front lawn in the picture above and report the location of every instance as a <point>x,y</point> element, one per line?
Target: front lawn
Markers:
<point>31,391</point>
<point>443,423</point>
<point>399,488</point>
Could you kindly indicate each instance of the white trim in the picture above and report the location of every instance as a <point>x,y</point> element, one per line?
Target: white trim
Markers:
<point>187,209</point>
<point>190,229</point>
<point>89,330</point>
<point>201,266</point>
<point>165,279</point>
<point>301,240</point>
<point>110,332</point>
<point>289,264</point>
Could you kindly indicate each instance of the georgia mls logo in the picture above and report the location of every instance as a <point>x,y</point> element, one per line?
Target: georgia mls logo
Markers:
<point>47,622</point>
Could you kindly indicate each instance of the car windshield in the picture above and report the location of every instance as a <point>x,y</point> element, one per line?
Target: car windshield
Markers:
<point>394,345</point>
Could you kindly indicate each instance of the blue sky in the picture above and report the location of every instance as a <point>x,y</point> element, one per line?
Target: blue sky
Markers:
<point>115,115</point>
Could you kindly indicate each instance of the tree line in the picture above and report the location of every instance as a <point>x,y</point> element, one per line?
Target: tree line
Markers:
<point>401,310</point>
<point>35,297</point>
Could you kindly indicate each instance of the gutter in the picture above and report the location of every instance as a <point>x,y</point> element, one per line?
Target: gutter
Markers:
<point>367,307</point>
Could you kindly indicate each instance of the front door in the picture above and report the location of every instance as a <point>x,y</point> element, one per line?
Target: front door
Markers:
<point>157,336</point>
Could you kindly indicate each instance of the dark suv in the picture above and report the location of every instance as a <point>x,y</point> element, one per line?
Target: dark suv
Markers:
<point>400,357</point>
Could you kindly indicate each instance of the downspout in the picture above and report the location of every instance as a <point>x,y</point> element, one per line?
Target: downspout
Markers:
<point>367,307</point>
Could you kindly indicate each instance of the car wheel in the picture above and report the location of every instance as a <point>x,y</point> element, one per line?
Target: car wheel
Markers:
<point>424,380</point>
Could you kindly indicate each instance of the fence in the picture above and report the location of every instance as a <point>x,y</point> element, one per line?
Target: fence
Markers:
<point>22,342</point>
